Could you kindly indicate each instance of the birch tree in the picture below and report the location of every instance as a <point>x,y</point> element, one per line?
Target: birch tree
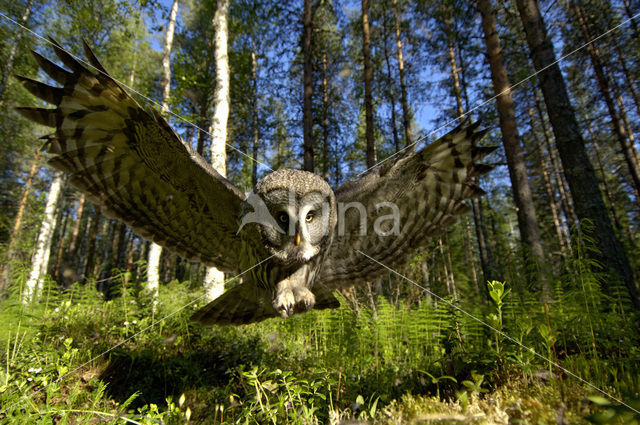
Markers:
<point>214,278</point>
<point>40,260</point>
<point>155,250</point>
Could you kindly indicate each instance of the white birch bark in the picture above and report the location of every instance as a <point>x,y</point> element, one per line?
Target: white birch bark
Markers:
<point>40,259</point>
<point>155,250</point>
<point>214,278</point>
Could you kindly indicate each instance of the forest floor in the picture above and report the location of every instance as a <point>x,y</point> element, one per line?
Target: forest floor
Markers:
<point>77,358</point>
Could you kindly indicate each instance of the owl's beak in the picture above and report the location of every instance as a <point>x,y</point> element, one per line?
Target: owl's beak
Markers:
<point>297,238</point>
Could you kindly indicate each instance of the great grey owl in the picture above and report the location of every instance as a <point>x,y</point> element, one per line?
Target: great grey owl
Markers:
<point>297,238</point>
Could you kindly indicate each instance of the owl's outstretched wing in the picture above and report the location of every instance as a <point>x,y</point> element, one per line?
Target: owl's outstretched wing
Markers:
<point>419,193</point>
<point>134,165</point>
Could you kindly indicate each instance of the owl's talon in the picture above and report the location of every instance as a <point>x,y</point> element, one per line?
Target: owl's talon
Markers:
<point>292,301</point>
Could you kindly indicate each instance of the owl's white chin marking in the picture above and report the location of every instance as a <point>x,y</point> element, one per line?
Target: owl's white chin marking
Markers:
<point>292,254</point>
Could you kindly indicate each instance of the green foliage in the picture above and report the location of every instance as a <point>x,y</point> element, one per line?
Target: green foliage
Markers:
<point>129,364</point>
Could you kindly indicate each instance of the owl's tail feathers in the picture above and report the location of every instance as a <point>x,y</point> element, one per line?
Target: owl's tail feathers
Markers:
<point>240,305</point>
<point>324,297</point>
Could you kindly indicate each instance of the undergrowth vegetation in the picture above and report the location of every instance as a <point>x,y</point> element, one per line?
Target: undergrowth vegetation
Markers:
<point>75,357</point>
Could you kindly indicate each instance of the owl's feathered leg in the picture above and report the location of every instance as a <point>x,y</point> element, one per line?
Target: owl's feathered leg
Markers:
<point>292,297</point>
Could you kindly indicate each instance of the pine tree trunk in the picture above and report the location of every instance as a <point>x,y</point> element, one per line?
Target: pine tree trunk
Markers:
<point>456,78</point>
<point>325,119</point>
<point>629,81</point>
<point>73,244</point>
<point>214,278</point>
<point>617,125</point>
<point>5,269</point>
<point>627,127</point>
<point>392,95</point>
<point>130,258</point>
<point>8,66</point>
<point>22,206</point>
<point>256,122</point>
<point>562,233</point>
<point>632,22</point>
<point>155,251</point>
<point>470,254</point>
<point>448,270</point>
<point>406,113</point>
<point>40,260</point>
<point>368,76</point>
<point>577,166</point>
<point>561,182</point>
<point>607,190</point>
<point>486,260</point>
<point>307,108</point>
<point>527,221</point>
<point>61,245</point>
<point>603,177</point>
<point>89,265</point>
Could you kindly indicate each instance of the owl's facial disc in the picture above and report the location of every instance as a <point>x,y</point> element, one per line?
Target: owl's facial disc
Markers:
<point>304,223</point>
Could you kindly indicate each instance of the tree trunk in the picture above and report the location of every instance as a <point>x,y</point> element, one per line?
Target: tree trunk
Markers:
<point>17,224</point>
<point>629,80</point>
<point>307,108</point>
<point>470,254</point>
<point>61,245</point>
<point>605,89</point>
<point>8,66</point>
<point>456,78</point>
<point>155,251</point>
<point>486,258</point>
<point>627,127</point>
<point>561,181</point>
<point>527,221</point>
<point>562,233</point>
<point>325,119</point>
<point>632,22</point>
<point>214,278</point>
<point>577,167</point>
<point>448,270</point>
<point>166,56</point>
<point>406,113</point>
<point>256,122</point>
<point>73,244</point>
<point>89,265</point>
<point>603,177</point>
<point>607,190</point>
<point>129,264</point>
<point>40,260</point>
<point>389,78</point>
<point>5,269</point>
<point>368,76</point>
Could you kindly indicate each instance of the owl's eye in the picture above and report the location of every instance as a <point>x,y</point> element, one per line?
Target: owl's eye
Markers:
<point>309,217</point>
<point>283,217</point>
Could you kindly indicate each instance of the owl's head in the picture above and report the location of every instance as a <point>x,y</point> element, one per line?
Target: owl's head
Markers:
<point>303,207</point>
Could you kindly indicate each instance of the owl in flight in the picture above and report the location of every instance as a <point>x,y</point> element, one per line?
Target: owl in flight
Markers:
<point>293,238</point>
